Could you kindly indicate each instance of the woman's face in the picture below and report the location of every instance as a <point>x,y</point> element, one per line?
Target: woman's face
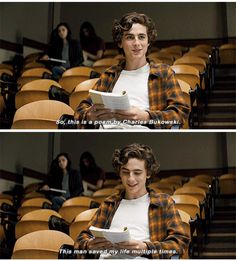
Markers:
<point>86,162</point>
<point>62,32</point>
<point>62,162</point>
<point>86,32</point>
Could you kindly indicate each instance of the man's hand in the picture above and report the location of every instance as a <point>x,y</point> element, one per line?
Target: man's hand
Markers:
<point>98,112</point>
<point>99,243</point>
<point>135,247</point>
<point>133,114</point>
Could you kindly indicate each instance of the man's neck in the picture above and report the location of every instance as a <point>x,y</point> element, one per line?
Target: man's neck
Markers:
<point>134,65</point>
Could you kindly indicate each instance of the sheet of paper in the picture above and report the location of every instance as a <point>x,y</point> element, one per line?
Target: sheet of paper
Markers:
<point>111,235</point>
<point>111,100</point>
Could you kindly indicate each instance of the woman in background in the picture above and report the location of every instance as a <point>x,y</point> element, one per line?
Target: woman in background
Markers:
<point>63,47</point>
<point>63,177</point>
<point>92,45</point>
<point>93,176</point>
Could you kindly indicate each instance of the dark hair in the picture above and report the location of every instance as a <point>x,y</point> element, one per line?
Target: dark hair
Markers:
<point>92,34</point>
<point>136,151</point>
<point>68,167</point>
<point>69,35</point>
<point>87,25</point>
<point>92,163</point>
<point>125,24</point>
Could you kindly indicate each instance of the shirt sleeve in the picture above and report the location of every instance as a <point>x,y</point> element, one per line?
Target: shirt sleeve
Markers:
<point>175,239</point>
<point>173,109</point>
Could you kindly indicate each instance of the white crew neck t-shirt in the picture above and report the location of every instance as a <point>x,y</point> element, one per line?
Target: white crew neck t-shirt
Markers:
<point>132,214</point>
<point>135,83</point>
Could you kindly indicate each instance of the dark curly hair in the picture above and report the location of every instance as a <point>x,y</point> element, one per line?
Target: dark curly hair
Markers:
<point>137,151</point>
<point>125,24</point>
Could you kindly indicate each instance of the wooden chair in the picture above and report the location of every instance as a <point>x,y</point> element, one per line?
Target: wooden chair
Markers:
<point>33,64</point>
<point>5,70</point>
<point>153,57</point>
<point>43,244</point>
<point>164,187</point>
<point>201,54</point>
<point>101,194</point>
<point>111,183</point>
<point>194,61</point>
<point>32,204</point>
<point>227,184</point>
<point>6,196</point>
<point>31,75</point>
<point>204,178</point>
<point>102,64</point>
<point>191,206</point>
<point>40,115</point>
<point>196,192</point>
<point>81,92</point>
<point>177,53</point>
<point>34,91</point>
<point>32,187</point>
<point>81,221</point>
<point>176,182</point>
<point>72,77</point>
<point>203,48</point>
<point>110,53</point>
<point>165,57</point>
<point>72,207</point>
<point>6,66</point>
<point>188,74</point>
<point>32,57</point>
<point>197,183</point>
<point>33,221</point>
<point>227,54</point>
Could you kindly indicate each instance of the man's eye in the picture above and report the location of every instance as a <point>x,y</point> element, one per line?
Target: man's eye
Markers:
<point>142,37</point>
<point>129,37</point>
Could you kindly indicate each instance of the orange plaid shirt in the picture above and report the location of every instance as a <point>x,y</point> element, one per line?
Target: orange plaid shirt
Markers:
<point>167,233</point>
<point>166,101</point>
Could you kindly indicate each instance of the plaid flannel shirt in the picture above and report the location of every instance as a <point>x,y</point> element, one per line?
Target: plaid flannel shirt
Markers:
<point>167,233</point>
<point>166,101</point>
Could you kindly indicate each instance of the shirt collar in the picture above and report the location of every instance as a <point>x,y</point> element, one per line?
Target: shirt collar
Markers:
<point>154,68</point>
<point>155,199</point>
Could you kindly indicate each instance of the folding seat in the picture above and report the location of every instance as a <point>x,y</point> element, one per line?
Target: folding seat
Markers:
<point>33,221</point>
<point>101,194</point>
<point>81,221</point>
<point>102,64</point>
<point>72,207</point>
<point>42,244</point>
<point>44,114</point>
<point>81,92</point>
<point>34,91</point>
<point>73,76</point>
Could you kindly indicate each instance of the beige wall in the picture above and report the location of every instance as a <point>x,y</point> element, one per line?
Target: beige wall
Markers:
<point>174,150</point>
<point>175,20</point>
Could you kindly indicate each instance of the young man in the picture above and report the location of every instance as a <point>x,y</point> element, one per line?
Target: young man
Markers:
<point>155,226</point>
<point>153,91</point>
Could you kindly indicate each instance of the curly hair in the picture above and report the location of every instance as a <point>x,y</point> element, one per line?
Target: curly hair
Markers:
<point>125,24</point>
<point>136,151</point>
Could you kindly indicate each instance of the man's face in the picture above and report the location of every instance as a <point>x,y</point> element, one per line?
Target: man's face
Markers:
<point>135,42</point>
<point>133,176</point>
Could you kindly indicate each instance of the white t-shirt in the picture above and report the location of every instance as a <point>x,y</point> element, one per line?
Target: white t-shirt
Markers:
<point>132,214</point>
<point>135,83</point>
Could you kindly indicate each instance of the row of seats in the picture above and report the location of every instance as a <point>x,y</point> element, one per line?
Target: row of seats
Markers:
<point>76,212</point>
<point>192,67</point>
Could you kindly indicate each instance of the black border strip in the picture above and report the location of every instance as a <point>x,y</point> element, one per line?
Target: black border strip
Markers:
<point>4,174</point>
<point>9,46</point>
<point>33,174</point>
